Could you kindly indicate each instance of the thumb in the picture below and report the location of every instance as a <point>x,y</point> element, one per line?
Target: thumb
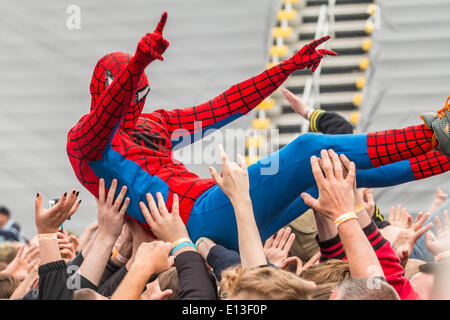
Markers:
<point>171,261</point>
<point>310,201</point>
<point>216,176</point>
<point>165,294</point>
<point>38,201</point>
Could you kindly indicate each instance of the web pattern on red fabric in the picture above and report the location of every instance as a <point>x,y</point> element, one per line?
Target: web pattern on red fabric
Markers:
<point>390,146</point>
<point>429,164</point>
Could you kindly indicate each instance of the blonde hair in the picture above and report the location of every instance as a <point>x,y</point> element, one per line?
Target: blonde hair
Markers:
<point>8,251</point>
<point>8,284</point>
<point>323,291</point>
<point>169,280</point>
<point>332,270</point>
<point>265,283</point>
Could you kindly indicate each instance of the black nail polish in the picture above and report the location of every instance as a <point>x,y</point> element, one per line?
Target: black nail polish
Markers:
<point>65,194</point>
<point>73,192</point>
<point>78,193</point>
<point>37,195</point>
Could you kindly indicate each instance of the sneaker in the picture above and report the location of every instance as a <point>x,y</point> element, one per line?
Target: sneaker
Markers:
<point>440,123</point>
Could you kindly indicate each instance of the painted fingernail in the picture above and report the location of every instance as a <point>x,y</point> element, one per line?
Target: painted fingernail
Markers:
<point>78,193</point>
<point>37,195</point>
<point>65,194</point>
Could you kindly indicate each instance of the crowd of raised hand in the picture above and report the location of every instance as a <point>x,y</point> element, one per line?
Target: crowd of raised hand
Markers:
<point>356,252</point>
<point>116,258</point>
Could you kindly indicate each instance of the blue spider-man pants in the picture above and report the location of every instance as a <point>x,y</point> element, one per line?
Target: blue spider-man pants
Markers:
<point>277,181</point>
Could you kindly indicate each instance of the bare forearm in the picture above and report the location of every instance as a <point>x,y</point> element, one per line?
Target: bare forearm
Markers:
<point>94,264</point>
<point>362,260</point>
<point>325,227</point>
<point>250,245</point>
<point>49,251</point>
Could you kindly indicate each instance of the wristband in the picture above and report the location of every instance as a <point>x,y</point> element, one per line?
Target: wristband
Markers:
<point>47,236</point>
<point>116,255</point>
<point>175,243</point>
<point>442,255</point>
<point>183,245</point>
<point>200,240</point>
<point>345,217</point>
<point>360,207</point>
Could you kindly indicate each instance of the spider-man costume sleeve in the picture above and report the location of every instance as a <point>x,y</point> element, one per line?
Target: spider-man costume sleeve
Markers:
<point>239,99</point>
<point>90,136</point>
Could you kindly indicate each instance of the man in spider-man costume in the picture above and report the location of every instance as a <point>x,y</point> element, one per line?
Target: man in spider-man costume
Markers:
<point>115,140</point>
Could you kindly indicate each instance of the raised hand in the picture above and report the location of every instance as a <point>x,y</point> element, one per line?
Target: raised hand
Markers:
<point>297,104</point>
<point>24,260</point>
<point>310,57</point>
<point>408,236</point>
<point>234,178</point>
<point>154,256</point>
<point>440,242</point>
<point>166,226</point>
<point>49,220</point>
<point>399,217</point>
<point>335,192</point>
<point>278,245</point>
<point>152,45</point>
<point>111,212</point>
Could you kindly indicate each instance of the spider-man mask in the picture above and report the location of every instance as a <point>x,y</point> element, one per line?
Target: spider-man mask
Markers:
<point>106,70</point>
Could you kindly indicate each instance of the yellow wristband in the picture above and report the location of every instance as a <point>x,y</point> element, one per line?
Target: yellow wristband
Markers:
<point>345,217</point>
<point>116,255</point>
<point>174,244</point>
<point>360,207</point>
<point>47,236</point>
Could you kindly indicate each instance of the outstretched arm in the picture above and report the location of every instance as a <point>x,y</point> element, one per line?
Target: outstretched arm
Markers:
<point>240,98</point>
<point>91,134</point>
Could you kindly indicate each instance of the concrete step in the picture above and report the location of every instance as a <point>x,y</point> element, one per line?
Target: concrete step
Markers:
<point>345,12</point>
<point>329,83</point>
<point>331,101</point>
<point>310,3</point>
<point>345,29</point>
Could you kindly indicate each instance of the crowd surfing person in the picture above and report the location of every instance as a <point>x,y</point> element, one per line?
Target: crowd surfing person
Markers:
<point>115,140</point>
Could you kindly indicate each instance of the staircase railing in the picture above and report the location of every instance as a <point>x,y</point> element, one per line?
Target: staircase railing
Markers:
<point>311,91</point>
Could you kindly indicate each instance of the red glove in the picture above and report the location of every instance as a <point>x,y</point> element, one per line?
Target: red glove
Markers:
<point>152,45</point>
<point>309,57</point>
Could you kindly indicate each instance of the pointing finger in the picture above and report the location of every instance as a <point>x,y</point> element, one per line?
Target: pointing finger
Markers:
<point>318,42</point>
<point>162,22</point>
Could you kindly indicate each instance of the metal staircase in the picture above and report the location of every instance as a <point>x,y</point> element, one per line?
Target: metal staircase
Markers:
<point>337,83</point>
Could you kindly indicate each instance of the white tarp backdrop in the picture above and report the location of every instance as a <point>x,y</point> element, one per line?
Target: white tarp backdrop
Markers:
<point>409,74</point>
<point>46,68</point>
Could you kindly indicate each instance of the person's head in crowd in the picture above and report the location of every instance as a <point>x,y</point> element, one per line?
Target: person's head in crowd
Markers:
<point>364,289</point>
<point>323,291</point>
<point>264,283</point>
<point>8,283</point>
<point>169,280</point>
<point>441,285</point>
<point>4,216</point>
<point>423,281</point>
<point>8,251</point>
<point>332,270</point>
<point>432,282</point>
<point>87,294</point>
